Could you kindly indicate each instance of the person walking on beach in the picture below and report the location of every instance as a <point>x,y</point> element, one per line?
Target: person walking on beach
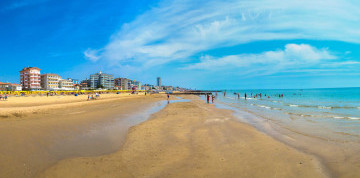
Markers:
<point>208,98</point>
<point>5,98</point>
<point>212,98</point>
<point>168,96</point>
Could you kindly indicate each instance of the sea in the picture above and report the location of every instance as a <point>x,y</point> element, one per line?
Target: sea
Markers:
<point>329,113</point>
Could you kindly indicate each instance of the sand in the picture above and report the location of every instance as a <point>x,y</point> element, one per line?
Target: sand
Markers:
<point>20,106</point>
<point>49,132</point>
<point>193,139</point>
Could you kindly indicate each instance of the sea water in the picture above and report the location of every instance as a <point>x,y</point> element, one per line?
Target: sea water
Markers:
<point>332,113</point>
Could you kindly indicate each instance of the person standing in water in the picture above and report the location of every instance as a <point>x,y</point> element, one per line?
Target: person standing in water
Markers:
<point>245,96</point>
<point>212,98</point>
<point>238,95</point>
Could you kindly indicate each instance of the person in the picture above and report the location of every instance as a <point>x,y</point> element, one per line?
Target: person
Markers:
<point>224,93</point>
<point>208,98</point>
<point>0,96</point>
<point>88,97</point>
<point>168,96</point>
<point>238,95</point>
<point>47,94</point>
<point>212,98</point>
<point>245,96</point>
<point>145,93</point>
<point>5,97</point>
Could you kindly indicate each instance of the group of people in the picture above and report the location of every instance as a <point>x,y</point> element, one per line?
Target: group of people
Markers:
<point>208,98</point>
<point>97,95</point>
<point>3,97</point>
<point>258,95</point>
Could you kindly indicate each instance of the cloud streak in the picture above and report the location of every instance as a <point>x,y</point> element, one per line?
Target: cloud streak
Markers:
<point>176,30</point>
<point>292,55</point>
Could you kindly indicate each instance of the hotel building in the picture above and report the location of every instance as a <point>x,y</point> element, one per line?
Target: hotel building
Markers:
<point>123,83</point>
<point>101,80</point>
<point>66,84</point>
<point>30,78</point>
<point>50,81</point>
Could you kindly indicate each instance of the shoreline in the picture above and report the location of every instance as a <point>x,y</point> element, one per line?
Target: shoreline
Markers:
<point>138,133</point>
<point>339,158</point>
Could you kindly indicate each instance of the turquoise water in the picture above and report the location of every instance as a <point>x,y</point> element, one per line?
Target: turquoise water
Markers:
<point>332,113</point>
<point>341,103</point>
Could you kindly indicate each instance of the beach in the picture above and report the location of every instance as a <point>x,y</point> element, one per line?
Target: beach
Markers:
<point>193,139</point>
<point>145,136</point>
<point>49,129</point>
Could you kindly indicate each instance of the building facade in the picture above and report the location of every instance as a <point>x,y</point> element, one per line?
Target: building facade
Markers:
<point>137,84</point>
<point>101,80</point>
<point>50,81</point>
<point>10,87</point>
<point>122,83</point>
<point>30,78</point>
<point>158,82</point>
<point>66,84</point>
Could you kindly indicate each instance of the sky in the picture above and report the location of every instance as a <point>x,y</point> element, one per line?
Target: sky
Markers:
<point>198,44</point>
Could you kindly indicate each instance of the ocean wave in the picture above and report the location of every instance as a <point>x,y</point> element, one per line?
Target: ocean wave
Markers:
<point>293,105</point>
<point>267,107</point>
<point>354,118</point>
<point>324,107</point>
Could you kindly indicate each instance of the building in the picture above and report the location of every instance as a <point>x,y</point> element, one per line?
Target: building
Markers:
<point>122,83</point>
<point>10,87</point>
<point>30,78</point>
<point>101,80</point>
<point>75,81</point>
<point>4,86</point>
<point>84,85</point>
<point>15,87</point>
<point>158,81</point>
<point>66,84</point>
<point>50,81</point>
<point>137,85</point>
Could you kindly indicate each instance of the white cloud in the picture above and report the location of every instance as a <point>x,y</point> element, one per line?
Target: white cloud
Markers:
<point>91,55</point>
<point>293,55</point>
<point>176,30</point>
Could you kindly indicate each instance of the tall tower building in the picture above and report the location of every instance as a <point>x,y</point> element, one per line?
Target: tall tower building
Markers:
<point>158,81</point>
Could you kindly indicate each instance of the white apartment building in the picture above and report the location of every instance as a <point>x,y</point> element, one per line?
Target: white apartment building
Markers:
<point>50,81</point>
<point>66,84</point>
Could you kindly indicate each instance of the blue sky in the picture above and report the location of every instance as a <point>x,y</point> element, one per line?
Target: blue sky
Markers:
<point>228,44</point>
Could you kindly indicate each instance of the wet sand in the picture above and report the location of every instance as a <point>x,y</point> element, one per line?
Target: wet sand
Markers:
<point>34,141</point>
<point>193,139</point>
<point>340,155</point>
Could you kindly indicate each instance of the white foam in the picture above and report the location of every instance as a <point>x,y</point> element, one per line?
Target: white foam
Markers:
<point>354,118</point>
<point>358,107</point>
<point>277,108</point>
<point>338,117</point>
<point>267,107</point>
<point>293,105</point>
<point>324,107</point>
